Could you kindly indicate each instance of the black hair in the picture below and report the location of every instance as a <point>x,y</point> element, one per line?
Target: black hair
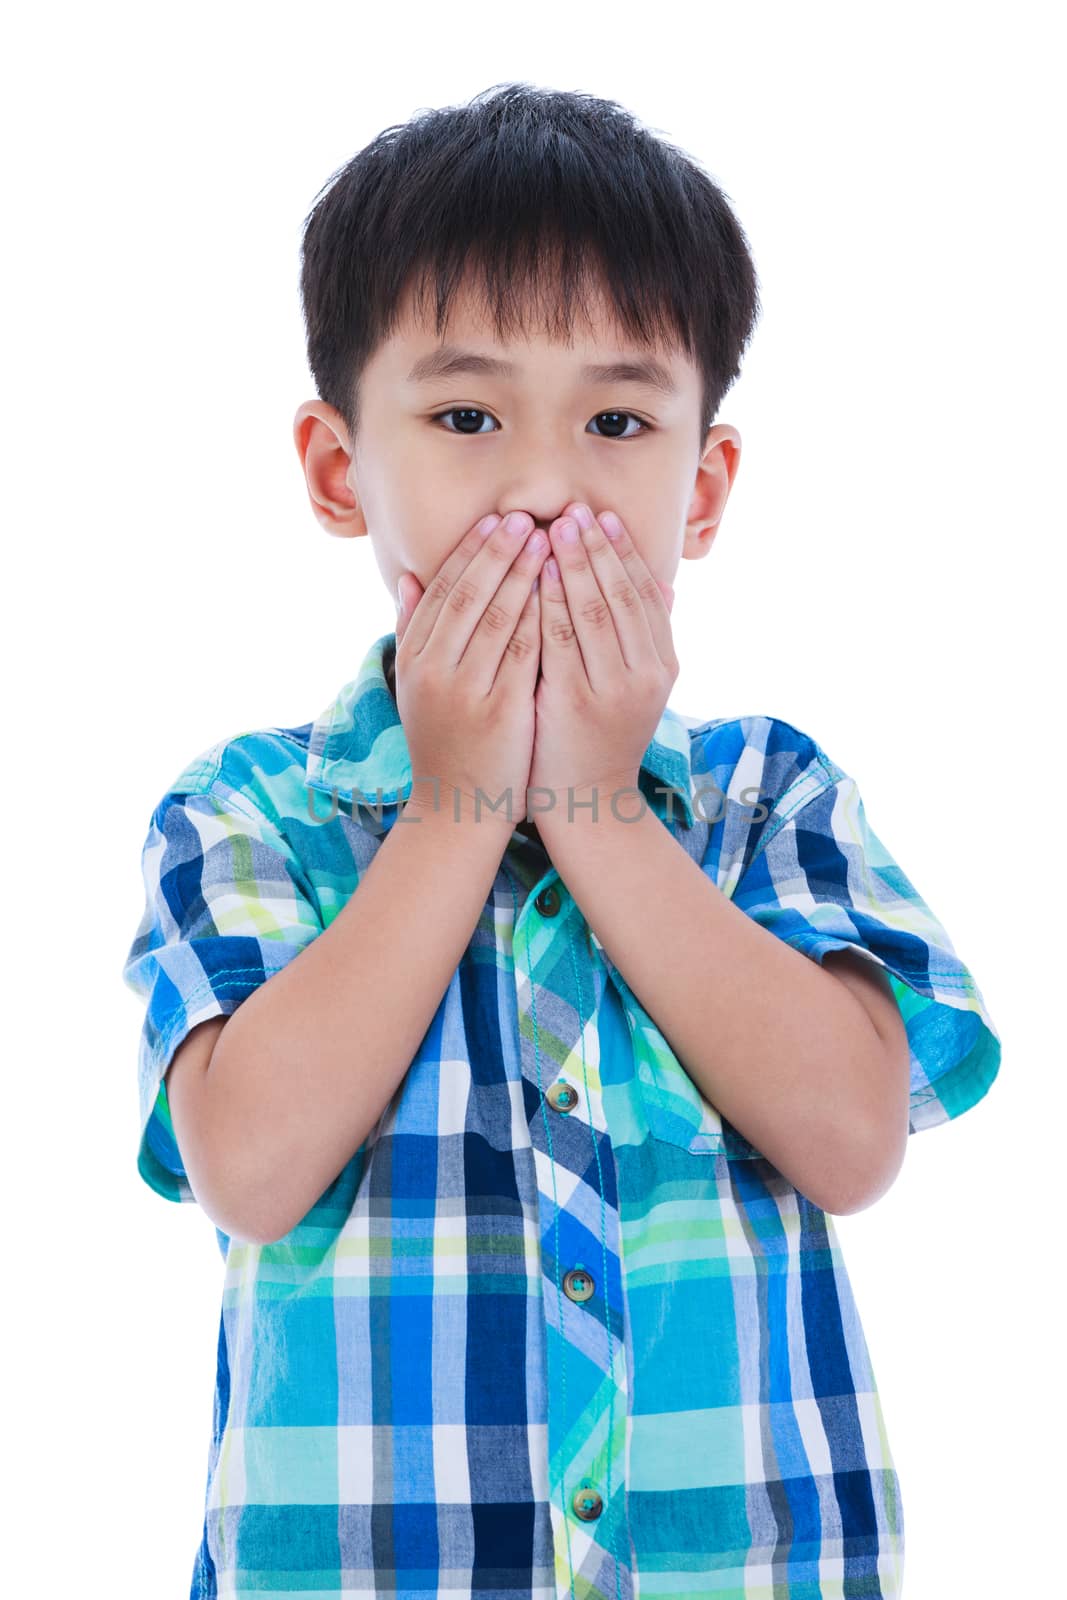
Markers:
<point>532,190</point>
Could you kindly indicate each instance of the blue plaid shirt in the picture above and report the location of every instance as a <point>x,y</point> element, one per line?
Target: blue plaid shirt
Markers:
<point>556,1329</point>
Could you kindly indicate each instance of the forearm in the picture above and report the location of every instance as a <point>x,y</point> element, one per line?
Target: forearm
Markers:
<point>777,1043</point>
<point>306,1065</point>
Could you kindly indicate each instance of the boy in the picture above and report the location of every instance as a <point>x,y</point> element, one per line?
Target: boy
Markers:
<point>520,1035</point>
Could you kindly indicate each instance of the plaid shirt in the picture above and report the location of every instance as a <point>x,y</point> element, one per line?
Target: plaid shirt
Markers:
<point>556,1329</point>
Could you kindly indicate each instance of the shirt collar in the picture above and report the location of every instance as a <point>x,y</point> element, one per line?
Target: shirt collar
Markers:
<point>358,744</point>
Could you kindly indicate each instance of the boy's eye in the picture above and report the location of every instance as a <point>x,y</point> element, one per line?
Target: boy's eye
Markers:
<point>470,423</point>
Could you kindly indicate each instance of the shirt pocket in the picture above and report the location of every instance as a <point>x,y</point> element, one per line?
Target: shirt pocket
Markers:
<point>675,1109</point>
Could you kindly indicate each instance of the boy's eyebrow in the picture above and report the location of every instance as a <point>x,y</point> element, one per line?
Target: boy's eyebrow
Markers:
<point>447,360</point>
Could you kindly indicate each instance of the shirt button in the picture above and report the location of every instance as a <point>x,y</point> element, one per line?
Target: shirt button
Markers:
<point>587,1504</point>
<point>562,1096</point>
<point>578,1285</point>
<point>547,901</point>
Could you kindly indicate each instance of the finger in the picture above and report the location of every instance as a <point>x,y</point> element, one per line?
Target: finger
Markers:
<point>656,607</point>
<point>521,656</point>
<point>409,592</point>
<point>476,616</point>
<point>608,616</point>
<point>559,641</point>
<point>424,613</point>
<point>504,634</point>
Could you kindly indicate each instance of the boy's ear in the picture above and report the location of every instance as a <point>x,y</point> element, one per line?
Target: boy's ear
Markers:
<point>716,472</point>
<point>321,438</point>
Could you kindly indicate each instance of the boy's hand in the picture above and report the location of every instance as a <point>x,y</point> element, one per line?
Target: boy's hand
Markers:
<point>607,666</point>
<point>467,655</point>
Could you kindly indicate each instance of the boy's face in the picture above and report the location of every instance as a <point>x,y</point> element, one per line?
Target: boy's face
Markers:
<point>538,442</point>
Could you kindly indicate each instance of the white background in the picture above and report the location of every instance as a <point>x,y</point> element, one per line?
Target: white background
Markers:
<point>883,579</point>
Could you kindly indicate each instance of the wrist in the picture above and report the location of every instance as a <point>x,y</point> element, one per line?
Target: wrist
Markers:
<point>611,797</point>
<point>454,807</point>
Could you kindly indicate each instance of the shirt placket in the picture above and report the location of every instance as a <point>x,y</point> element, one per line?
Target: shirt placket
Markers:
<point>559,980</point>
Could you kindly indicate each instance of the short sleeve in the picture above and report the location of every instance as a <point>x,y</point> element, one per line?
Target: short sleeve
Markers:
<point>821,879</point>
<point>226,907</point>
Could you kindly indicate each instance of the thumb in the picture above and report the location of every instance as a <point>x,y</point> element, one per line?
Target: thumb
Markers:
<point>409,592</point>
<point>402,615</point>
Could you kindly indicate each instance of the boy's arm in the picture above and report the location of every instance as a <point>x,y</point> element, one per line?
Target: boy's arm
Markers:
<point>305,1066</point>
<point>801,1059</point>
<point>184,1080</point>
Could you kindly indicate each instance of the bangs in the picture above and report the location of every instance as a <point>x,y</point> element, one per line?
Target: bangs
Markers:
<point>536,283</point>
